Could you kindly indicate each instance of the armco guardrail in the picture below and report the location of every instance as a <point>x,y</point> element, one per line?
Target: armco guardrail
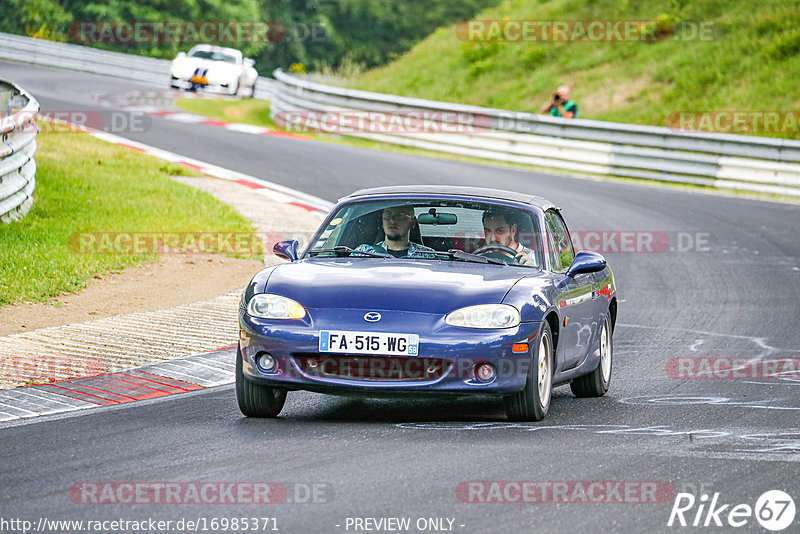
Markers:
<point>730,161</point>
<point>17,147</point>
<point>721,160</point>
<point>147,70</point>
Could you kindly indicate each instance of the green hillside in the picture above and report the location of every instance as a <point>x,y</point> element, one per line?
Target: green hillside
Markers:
<point>749,60</point>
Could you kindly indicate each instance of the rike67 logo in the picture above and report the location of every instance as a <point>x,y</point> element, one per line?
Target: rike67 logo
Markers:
<point>774,510</point>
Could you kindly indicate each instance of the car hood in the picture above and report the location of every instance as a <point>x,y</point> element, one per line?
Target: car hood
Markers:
<point>436,287</point>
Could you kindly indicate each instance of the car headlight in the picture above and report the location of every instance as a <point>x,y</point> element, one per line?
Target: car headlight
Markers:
<point>484,316</point>
<point>268,306</point>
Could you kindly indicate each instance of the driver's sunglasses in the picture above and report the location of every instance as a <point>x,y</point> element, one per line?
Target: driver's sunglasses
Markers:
<point>397,216</point>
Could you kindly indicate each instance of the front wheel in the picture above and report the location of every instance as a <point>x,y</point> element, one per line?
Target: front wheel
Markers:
<point>596,383</point>
<point>257,400</point>
<point>533,402</point>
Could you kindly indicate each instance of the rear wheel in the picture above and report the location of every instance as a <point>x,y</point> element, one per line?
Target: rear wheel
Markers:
<point>533,402</point>
<point>257,400</point>
<point>595,384</point>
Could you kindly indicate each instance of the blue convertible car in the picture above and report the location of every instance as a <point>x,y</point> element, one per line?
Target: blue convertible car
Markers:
<point>425,290</point>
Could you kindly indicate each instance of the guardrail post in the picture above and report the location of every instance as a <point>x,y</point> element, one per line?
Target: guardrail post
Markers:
<point>5,101</point>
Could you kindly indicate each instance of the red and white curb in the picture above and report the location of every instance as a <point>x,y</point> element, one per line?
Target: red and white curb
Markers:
<point>191,118</point>
<point>159,379</point>
<point>168,99</point>
<point>276,192</point>
<point>148,382</point>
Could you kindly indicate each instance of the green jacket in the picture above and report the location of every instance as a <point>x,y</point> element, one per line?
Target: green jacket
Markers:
<point>569,105</point>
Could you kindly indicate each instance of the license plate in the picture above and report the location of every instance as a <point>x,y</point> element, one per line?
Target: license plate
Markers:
<point>368,343</point>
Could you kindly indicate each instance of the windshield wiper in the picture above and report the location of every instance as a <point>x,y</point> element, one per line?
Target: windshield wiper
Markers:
<point>455,254</point>
<point>342,251</point>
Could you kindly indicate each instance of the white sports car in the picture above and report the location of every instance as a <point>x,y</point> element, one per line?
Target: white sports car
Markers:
<point>214,69</point>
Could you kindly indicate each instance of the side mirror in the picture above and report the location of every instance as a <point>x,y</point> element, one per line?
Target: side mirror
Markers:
<point>586,262</point>
<point>286,249</point>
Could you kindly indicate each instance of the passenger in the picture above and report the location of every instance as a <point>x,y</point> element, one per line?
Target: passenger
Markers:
<point>397,224</point>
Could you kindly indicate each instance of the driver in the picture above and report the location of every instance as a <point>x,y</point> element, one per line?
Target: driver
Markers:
<point>501,230</point>
<point>397,224</point>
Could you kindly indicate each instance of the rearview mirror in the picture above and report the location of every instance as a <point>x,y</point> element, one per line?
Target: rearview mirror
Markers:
<point>437,218</point>
<point>586,262</point>
<point>286,249</point>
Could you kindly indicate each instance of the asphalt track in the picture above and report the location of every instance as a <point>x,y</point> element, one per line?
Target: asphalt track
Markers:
<point>395,458</point>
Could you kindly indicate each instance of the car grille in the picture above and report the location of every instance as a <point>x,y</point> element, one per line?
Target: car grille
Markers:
<point>372,368</point>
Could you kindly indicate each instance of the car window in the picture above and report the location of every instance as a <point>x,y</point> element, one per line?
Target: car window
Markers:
<point>437,225</point>
<point>214,56</point>
<point>559,244</point>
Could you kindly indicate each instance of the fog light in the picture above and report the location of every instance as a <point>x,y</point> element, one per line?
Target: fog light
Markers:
<point>265,361</point>
<point>485,372</point>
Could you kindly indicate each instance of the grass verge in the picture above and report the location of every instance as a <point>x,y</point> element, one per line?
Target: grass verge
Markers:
<point>248,111</point>
<point>87,185</point>
<point>714,55</point>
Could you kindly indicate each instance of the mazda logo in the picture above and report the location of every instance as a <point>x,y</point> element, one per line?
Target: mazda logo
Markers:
<point>372,317</point>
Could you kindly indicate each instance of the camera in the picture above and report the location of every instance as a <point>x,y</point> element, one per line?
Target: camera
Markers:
<point>556,98</point>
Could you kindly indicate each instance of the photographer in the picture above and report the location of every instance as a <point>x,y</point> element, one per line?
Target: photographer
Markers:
<point>560,105</point>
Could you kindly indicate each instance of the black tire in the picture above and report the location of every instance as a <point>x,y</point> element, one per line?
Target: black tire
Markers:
<point>528,404</point>
<point>257,400</point>
<point>596,383</point>
<point>247,92</point>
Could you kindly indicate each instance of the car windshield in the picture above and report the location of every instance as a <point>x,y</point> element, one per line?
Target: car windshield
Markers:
<point>448,230</point>
<point>214,56</point>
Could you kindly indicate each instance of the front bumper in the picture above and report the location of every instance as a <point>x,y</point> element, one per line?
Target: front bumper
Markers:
<point>209,87</point>
<point>445,363</point>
